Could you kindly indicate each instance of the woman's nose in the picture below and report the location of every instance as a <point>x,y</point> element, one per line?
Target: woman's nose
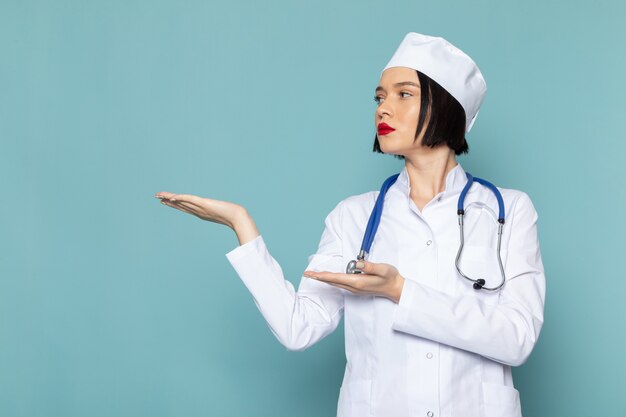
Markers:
<point>382,110</point>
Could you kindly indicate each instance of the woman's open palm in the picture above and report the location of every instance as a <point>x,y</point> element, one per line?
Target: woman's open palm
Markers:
<point>216,211</point>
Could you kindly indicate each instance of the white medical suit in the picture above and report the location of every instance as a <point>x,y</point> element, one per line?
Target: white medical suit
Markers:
<point>446,349</point>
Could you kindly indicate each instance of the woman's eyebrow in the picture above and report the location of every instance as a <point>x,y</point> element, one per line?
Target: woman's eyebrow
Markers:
<point>400,84</point>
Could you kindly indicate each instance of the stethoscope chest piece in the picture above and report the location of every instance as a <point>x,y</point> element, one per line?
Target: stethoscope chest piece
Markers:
<point>351,268</point>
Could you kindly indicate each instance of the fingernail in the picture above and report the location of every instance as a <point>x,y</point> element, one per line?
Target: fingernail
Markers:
<point>360,264</point>
<point>172,199</point>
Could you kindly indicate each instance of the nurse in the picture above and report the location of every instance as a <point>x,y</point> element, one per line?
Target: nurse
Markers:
<point>419,340</point>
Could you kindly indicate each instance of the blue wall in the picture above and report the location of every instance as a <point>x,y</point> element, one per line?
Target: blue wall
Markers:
<point>112,304</point>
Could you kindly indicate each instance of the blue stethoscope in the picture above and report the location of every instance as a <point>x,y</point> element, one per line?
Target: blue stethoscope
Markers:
<point>374,220</point>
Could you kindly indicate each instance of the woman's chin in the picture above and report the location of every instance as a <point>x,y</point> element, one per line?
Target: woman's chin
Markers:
<point>392,151</point>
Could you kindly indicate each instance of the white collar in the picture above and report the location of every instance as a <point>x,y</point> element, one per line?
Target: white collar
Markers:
<point>455,181</point>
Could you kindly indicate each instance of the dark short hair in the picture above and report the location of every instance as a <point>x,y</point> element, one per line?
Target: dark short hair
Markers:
<point>447,119</point>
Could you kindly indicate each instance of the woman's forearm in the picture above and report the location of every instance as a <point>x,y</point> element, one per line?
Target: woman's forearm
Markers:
<point>299,318</point>
<point>244,227</point>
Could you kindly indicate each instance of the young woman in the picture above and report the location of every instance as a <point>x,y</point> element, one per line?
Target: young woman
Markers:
<point>430,330</point>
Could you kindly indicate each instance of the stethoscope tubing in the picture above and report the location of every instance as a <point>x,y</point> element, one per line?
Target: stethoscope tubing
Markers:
<point>372,225</point>
<point>375,216</point>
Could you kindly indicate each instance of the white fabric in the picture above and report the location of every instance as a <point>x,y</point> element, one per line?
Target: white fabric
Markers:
<point>444,348</point>
<point>450,67</point>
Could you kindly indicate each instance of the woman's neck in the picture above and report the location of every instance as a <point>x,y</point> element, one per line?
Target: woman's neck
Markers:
<point>428,172</point>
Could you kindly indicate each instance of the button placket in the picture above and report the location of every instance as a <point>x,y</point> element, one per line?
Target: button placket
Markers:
<point>427,394</point>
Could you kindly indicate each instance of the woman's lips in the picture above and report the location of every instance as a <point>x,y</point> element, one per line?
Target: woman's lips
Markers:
<point>384,128</point>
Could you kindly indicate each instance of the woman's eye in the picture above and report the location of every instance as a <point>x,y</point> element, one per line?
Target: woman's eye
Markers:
<point>379,99</point>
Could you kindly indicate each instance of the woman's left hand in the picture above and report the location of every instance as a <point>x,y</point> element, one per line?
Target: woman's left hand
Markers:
<point>377,279</point>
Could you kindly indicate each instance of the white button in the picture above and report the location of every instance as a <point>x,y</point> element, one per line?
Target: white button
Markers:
<point>429,355</point>
<point>430,414</point>
<point>429,242</point>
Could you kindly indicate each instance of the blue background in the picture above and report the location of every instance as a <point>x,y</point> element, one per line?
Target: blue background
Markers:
<point>112,304</point>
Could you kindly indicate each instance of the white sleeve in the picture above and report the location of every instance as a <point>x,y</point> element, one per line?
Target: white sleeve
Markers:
<point>297,319</point>
<point>506,332</point>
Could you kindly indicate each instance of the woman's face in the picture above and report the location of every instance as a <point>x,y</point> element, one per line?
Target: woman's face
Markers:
<point>398,95</point>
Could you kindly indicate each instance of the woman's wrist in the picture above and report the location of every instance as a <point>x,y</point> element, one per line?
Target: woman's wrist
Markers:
<point>396,290</point>
<point>244,227</point>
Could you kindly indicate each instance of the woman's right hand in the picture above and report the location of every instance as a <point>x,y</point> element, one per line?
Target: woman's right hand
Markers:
<point>217,211</point>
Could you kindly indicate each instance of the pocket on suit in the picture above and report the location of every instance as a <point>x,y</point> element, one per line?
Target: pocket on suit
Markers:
<point>354,399</point>
<point>501,400</point>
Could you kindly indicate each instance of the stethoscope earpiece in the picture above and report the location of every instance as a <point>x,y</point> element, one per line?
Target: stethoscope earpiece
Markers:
<point>479,284</point>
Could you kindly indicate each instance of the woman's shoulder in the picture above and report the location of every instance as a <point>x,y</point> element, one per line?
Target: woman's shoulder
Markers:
<point>517,200</point>
<point>360,202</point>
<point>356,203</point>
<point>511,194</point>
<point>362,199</point>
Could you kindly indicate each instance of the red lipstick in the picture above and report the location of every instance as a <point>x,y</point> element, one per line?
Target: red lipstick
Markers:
<point>384,128</point>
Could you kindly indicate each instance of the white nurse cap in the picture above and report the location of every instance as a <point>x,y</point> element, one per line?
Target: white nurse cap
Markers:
<point>450,67</point>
